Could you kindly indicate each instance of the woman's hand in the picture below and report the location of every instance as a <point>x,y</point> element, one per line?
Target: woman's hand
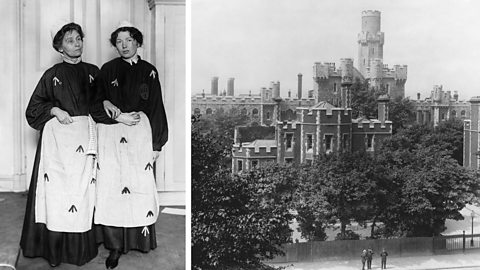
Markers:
<point>129,119</point>
<point>156,154</point>
<point>62,116</point>
<point>111,110</point>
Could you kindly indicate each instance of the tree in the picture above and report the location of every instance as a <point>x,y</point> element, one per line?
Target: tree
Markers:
<point>428,185</point>
<point>221,126</point>
<point>401,112</point>
<point>363,100</point>
<point>237,220</point>
<point>337,188</point>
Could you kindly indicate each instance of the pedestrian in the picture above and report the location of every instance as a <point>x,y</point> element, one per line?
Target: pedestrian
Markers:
<point>60,204</point>
<point>384,255</point>
<point>369,258</point>
<point>132,129</point>
<point>363,257</point>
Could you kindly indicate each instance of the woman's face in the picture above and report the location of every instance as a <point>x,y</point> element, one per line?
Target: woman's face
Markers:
<point>72,44</point>
<point>126,45</point>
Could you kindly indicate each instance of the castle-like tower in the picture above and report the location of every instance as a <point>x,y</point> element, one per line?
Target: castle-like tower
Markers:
<point>370,58</point>
<point>370,41</point>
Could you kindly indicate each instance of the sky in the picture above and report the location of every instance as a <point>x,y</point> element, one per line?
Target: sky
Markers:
<point>259,41</point>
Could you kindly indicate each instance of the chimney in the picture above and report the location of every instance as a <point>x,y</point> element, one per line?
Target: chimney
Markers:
<point>214,90</point>
<point>230,88</point>
<point>383,108</point>
<point>455,95</point>
<point>276,90</point>
<point>299,93</point>
<point>418,96</point>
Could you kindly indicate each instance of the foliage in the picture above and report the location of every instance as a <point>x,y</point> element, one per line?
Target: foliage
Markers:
<point>338,187</point>
<point>237,220</point>
<point>221,127</point>
<point>348,235</point>
<point>401,113</point>
<point>427,184</point>
<point>363,100</point>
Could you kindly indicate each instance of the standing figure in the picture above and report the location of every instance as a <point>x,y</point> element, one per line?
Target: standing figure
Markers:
<point>59,212</point>
<point>132,129</point>
<point>384,255</point>
<point>363,257</point>
<point>369,258</point>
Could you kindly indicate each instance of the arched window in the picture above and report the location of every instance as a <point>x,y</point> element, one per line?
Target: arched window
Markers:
<point>255,112</point>
<point>196,111</point>
<point>290,115</point>
<point>268,115</point>
<point>454,113</point>
<point>463,113</point>
<point>209,111</point>
<point>442,116</point>
<point>244,111</point>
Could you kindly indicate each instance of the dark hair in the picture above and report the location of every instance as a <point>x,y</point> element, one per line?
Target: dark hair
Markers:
<point>58,39</point>
<point>134,33</point>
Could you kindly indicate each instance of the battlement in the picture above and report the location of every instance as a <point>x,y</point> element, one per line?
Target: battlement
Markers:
<point>210,99</point>
<point>398,72</point>
<point>288,125</point>
<point>370,125</point>
<point>259,147</point>
<point>375,13</point>
<point>366,37</point>
<point>325,70</point>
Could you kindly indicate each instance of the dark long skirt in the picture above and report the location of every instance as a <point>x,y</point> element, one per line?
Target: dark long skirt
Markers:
<point>126,239</point>
<point>55,247</point>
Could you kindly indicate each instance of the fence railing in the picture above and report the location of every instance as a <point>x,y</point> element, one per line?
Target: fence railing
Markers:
<point>463,242</point>
<point>398,247</point>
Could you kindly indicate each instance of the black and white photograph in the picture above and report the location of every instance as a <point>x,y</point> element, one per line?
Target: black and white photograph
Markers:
<point>335,134</point>
<point>93,171</point>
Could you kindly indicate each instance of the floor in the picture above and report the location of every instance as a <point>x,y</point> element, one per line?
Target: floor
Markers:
<point>169,255</point>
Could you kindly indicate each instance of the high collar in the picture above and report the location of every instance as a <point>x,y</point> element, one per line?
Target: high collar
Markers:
<point>70,60</point>
<point>132,60</point>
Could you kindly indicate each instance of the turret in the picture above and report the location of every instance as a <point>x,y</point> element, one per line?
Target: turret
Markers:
<point>370,40</point>
<point>383,108</point>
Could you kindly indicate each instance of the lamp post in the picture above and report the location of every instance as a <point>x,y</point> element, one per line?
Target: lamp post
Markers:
<point>471,240</point>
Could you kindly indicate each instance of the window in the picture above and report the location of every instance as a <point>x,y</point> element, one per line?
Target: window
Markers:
<point>288,141</point>
<point>196,111</point>
<point>268,115</point>
<point>454,113</point>
<point>255,112</point>
<point>239,165</point>
<point>309,161</point>
<point>309,142</point>
<point>442,116</point>
<point>345,141</point>
<point>328,143</point>
<point>244,111</point>
<point>370,142</point>
<point>334,87</point>
<point>254,163</point>
<point>209,111</point>
<point>288,160</point>
<point>463,113</point>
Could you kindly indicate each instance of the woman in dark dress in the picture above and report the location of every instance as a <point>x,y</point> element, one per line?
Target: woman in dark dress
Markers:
<point>63,92</point>
<point>132,128</point>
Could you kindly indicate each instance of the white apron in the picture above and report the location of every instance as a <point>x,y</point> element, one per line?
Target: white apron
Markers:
<point>126,190</point>
<point>65,194</point>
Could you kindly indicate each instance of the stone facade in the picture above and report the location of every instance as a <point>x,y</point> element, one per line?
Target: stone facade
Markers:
<point>440,106</point>
<point>319,129</point>
<point>471,139</point>
<point>330,83</point>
